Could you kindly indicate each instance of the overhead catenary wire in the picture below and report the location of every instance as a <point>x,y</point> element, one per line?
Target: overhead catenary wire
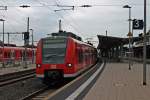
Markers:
<point>93,5</point>
<point>13,37</point>
<point>14,19</point>
<point>59,15</point>
<point>76,25</point>
<point>48,5</point>
<point>9,23</point>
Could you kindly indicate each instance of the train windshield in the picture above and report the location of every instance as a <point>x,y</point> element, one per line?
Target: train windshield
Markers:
<point>54,50</point>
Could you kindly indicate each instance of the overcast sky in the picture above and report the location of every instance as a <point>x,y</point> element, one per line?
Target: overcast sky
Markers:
<point>85,22</point>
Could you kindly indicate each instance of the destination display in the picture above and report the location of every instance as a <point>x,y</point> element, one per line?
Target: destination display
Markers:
<point>49,41</point>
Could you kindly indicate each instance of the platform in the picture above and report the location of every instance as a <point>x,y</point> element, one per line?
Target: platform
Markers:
<point>117,82</point>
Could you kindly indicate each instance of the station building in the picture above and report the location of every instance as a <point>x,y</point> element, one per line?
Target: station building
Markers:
<point>116,47</point>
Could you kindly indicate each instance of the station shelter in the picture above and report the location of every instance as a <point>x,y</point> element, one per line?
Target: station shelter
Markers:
<point>116,47</point>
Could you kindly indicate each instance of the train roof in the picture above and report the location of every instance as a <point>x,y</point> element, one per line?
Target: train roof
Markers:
<point>67,34</point>
<point>64,34</point>
<point>8,47</point>
<point>83,43</point>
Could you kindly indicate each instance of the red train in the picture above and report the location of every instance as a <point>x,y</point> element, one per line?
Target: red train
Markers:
<point>8,54</point>
<point>60,57</point>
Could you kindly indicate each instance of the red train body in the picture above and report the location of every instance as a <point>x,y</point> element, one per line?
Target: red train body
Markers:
<point>63,57</point>
<point>8,54</point>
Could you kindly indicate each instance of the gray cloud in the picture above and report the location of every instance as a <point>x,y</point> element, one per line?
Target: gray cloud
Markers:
<point>86,22</point>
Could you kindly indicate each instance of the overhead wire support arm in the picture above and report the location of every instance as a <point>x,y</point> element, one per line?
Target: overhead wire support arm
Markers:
<point>70,6</point>
<point>24,6</point>
<point>3,7</point>
<point>63,9</point>
<point>63,5</point>
<point>86,6</point>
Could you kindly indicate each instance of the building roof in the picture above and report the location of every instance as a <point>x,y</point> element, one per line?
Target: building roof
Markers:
<point>107,42</point>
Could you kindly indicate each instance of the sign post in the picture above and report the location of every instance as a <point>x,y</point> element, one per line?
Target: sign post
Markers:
<point>138,25</point>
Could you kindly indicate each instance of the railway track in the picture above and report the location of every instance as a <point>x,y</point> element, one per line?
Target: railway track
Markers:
<point>15,77</point>
<point>39,94</point>
<point>44,92</point>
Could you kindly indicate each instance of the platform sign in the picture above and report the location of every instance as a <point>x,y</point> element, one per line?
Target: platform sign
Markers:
<point>137,24</point>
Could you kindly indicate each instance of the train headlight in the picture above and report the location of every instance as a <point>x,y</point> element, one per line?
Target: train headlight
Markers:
<point>69,65</point>
<point>38,65</point>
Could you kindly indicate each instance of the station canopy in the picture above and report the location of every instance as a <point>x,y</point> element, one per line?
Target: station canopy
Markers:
<point>107,42</point>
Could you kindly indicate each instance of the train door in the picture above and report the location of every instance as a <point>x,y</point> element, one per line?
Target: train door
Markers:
<point>12,55</point>
<point>1,55</point>
<point>23,54</point>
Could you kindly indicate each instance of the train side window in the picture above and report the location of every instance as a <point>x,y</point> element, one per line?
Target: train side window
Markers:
<point>1,54</point>
<point>9,55</point>
<point>12,53</point>
<point>5,54</point>
<point>1,51</point>
<point>79,53</point>
<point>80,56</point>
<point>20,53</point>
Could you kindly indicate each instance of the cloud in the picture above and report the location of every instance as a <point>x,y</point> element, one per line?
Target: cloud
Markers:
<point>86,22</point>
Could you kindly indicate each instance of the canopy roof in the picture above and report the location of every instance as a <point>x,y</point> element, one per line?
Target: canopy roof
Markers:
<point>107,42</point>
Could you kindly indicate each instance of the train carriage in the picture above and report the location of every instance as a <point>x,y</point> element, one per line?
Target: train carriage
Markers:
<point>15,54</point>
<point>61,57</point>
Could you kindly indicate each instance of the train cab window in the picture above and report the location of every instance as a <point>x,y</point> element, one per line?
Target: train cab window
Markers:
<point>54,51</point>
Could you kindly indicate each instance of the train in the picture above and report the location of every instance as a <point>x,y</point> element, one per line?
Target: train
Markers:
<point>10,54</point>
<point>62,56</point>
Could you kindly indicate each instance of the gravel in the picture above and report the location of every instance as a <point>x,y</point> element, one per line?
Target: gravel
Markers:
<point>20,89</point>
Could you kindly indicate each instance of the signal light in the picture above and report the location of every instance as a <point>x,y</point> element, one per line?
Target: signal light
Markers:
<point>26,35</point>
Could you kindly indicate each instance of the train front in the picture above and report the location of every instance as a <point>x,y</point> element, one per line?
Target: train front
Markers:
<point>50,58</point>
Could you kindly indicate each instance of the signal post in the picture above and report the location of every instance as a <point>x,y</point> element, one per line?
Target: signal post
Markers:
<point>26,42</point>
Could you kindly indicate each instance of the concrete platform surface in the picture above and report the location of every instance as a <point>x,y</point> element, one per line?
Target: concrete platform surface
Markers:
<point>14,69</point>
<point>118,83</point>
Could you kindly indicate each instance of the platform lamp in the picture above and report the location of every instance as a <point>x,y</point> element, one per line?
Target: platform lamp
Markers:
<point>144,42</point>
<point>129,34</point>
<point>3,41</point>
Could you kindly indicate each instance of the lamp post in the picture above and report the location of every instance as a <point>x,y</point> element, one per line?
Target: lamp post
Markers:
<point>32,47</point>
<point>129,34</point>
<point>144,47</point>
<point>3,40</point>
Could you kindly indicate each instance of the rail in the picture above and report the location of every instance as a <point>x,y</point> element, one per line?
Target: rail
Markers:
<point>15,77</point>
